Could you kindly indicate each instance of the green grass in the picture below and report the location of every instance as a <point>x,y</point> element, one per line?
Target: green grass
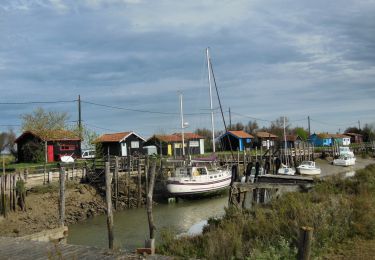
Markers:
<point>338,210</point>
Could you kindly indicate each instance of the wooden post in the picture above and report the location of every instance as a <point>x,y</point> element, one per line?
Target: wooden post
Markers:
<point>62,197</point>
<point>116,181</point>
<point>108,196</point>
<point>128,178</point>
<point>147,167</point>
<point>151,242</point>
<point>10,192</point>
<point>139,202</point>
<point>304,247</point>
<point>14,192</point>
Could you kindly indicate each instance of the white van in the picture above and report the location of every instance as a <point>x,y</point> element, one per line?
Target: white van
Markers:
<point>88,154</point>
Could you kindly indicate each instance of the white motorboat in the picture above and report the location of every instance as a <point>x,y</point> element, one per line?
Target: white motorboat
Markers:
<point>308,168</point>
<point>286,170</point>
<point>197,180</point>
<point>345,160</point>
<point>67,159</point>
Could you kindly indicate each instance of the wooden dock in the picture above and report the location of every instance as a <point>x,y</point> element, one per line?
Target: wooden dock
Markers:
<point>15,248</point>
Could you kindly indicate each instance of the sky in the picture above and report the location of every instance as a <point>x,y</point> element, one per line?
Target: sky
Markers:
<point>130,59</point>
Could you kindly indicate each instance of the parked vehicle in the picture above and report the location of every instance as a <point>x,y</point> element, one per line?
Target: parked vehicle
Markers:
<point>88,154</point>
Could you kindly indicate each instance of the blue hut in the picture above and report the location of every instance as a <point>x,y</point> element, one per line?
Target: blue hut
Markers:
<point>322,139</point>
<point>239,140</point>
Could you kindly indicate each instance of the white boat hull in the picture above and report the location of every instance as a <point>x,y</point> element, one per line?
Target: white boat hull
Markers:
<point>343,162</point>
<point>197,185</point>
<point>306,171</point>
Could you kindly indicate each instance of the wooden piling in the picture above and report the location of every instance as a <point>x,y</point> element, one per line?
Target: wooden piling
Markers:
<point>304,247</point>
<point>139,201</point>
<point>14,192</point>
<point>62,197</point>
<point>116,181</point>
<point>108,196</point>
<point>151,242</point>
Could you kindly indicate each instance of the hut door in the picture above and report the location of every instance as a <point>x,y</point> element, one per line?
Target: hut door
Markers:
<point>123,149</point>
<point>50,155</point>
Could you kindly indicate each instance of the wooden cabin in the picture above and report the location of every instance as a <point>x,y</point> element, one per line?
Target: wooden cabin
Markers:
<point>355,138</point>
<point>31,146</point>
<point>265,140</point>
<point>171,145</point>
<point>322,139</point>
<point>121,144</point>
<point>292,141</point>
<point>340,139</point>
<point>237,140</point>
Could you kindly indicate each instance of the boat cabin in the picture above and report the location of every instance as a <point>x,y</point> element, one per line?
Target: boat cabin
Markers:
<point>191,171</point>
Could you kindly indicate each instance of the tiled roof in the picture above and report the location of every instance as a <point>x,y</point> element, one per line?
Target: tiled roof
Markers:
<point>324,135</point>
<point>241,134</point>
<point>177,137</point>
<point>53,135</point>
<point>339,136</point>
<point>115,137</point>
<point>353,134</point>
<point>265,135</point>
<point>291,138</point>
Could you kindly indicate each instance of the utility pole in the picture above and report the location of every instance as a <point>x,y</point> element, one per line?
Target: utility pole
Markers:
<point>79,117</point>
<point>230,120</point>
<point>182,126</point>
<point>308,121</point>
<point>359,125</point>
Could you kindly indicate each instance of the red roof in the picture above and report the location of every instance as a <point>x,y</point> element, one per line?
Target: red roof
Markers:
<point>52,135</point>
<point>177,137</point>
<point>115,137</point>
<point>241,134</point>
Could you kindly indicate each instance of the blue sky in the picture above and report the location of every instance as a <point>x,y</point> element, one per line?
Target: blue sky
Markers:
<point>271,58</point>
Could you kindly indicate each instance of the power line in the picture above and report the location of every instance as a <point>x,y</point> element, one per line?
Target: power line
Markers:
<point>37,102</point>
<point>140,110</point>
<point>251,117</point>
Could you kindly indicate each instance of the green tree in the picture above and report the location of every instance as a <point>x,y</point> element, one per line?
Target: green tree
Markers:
<point>301,132</point>
<point>207,134</point>
<point>7,140</point>
<point>41,121</point>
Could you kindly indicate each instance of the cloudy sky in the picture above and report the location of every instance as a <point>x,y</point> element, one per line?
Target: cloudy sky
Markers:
<point>270,58</point>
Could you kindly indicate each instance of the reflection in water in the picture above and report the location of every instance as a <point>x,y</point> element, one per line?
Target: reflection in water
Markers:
<point>131,226</point>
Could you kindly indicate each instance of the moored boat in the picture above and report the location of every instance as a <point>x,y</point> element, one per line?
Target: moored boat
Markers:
<point>197,180</point>
<point>308,168</point>
<point>345,160</point>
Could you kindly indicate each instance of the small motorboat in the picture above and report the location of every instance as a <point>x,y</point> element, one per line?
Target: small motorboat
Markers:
<point>344,160</point>
<point>286,170</point>
<point>308,168</point>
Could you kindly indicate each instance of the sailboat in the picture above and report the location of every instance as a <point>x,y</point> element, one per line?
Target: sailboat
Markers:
<point>285,168</point>
<point>194,179</point>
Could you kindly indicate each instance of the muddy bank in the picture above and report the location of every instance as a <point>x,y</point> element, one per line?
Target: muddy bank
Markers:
<point>83,201</point>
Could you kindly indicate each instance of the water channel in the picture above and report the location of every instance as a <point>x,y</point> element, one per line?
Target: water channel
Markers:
<point>131,226</point>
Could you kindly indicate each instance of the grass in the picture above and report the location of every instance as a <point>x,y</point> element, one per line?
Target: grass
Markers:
<point>338,210</point>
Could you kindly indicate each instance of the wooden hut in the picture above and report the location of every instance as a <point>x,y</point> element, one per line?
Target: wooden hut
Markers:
<point>237,140</point>
<point>171,145</point>
<point>265,139</point>
<point>31,146</point>
<point>355,138</point>
<point>121,144</point>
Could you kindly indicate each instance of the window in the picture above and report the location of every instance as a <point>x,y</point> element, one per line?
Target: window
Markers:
<point>134,144</point>
<point>65,147</point>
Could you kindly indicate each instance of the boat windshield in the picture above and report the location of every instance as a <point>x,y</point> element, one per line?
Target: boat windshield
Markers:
<point>184,171</point>
<point>309,163</point>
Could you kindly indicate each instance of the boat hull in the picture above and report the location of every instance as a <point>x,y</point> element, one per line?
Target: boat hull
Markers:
<point>304,171</point>
<point>191,188</point>
<point>341,162</point>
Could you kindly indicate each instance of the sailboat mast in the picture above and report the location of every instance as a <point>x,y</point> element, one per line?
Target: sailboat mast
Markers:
<point>285,147</point>
<point>182,125</point>
<point>211,105</point>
